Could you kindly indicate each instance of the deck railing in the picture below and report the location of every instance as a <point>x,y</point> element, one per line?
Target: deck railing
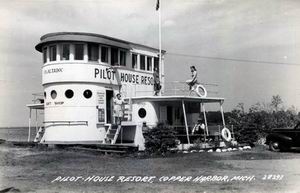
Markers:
<point>52,123</point>
<point>181,88</point>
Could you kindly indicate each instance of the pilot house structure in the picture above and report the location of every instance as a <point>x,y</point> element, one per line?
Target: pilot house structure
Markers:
<point>81,75</point>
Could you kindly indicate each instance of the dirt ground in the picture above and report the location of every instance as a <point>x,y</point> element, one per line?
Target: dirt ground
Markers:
<point>46,170</point>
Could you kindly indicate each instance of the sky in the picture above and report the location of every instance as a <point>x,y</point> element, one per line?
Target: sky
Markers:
<point>249,48</point>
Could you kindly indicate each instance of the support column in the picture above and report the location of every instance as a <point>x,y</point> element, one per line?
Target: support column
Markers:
<point>36,121</point>
<point>205,120</point>
<point>222,113</point>
<point>29,124</point>
<point>185,122</point>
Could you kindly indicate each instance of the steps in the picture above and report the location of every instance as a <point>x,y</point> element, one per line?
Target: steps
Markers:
<point>112,133</point>
<point>39,135</point>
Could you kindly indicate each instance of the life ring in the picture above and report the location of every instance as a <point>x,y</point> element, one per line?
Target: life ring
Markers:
<point>226,134</point>
<point>200,88</point>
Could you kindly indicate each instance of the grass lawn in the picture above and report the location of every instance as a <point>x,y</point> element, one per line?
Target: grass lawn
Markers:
<point>34,169</point>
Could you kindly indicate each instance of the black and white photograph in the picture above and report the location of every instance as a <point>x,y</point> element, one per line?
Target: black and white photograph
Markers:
<point>155,96</point>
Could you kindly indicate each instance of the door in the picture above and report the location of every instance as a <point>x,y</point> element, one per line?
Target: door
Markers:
<point>109,106</point>
<point>170,115</point>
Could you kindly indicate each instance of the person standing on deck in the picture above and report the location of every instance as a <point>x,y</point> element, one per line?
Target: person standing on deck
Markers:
<point>157,85</point>
<point>118,109</point>
<point>193,81</point>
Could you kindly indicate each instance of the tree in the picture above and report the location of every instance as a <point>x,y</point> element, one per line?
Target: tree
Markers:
<point>276,102</point>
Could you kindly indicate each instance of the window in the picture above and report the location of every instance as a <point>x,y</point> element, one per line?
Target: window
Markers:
<point>122,58</point>
<point>65,52</point>
<point>149,63</point>
<point>156,63</point>
<point>142,62</point>
<point>93,52</point>
<point>79,51</point>
<point>134,61</point>
<point>114,56</point>
<point>104,54</point>
<point>53,94</point>
<point>142,113</point>
<point>87,94</point>
<point>45,94</point>
<point>52,53</point>
<point>69,93</point>
<point>45,54</point>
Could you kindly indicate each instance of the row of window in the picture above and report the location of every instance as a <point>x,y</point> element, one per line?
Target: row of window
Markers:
<point>99,53</point>
<point>69,94</point>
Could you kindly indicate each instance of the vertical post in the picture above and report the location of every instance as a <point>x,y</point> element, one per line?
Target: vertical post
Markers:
<point>29,124</point>
<point>185,122</point>
<point>205,120</point>
<point>232,131</point>
<point>159,40</point>
<point>222,113</point>
<point>36,121</point>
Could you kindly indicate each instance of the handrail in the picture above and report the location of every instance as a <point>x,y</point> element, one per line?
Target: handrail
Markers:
<point>67,122</point>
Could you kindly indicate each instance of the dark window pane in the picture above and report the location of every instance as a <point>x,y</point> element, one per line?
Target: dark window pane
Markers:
<point>52,53</point>
<point>122,58</point>
<point>114,56</point>
<point>156,63</point>
<point>149,63</point>
<point>45,54</point>
<point>93,52</point>
<point>142,113</point>
<point>53,94</point>
<point>134,60</point>
<point>69,93</point>
<point>79,51</point>
<point>87,94</point>
<point>142,62</point>
<point>104,54</point>
<point>65,52</point>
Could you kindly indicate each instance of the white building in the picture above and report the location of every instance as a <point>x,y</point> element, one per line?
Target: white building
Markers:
<point>82,72</point>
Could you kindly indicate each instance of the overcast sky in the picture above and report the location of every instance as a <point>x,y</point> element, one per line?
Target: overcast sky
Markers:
<point>265,31</point>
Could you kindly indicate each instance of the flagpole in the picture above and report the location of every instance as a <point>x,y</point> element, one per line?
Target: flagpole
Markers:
<point>159,40</point>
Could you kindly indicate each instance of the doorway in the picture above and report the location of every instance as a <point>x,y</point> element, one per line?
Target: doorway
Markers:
<point>109,106</point>
<point>170,115</point>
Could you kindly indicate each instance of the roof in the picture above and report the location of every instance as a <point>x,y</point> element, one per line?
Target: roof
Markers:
<point>36,106</point>
<point>88,37</point>
<point>179,98</point>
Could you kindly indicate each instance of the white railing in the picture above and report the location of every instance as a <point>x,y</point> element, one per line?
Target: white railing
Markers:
<point>181,88</point>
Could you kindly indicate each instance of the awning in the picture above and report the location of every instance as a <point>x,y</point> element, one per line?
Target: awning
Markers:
<point>179,98</point>
<point>36,106</point>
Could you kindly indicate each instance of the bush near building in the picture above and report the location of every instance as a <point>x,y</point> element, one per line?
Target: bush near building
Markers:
<point>160,139</point>
<point>254,125</point>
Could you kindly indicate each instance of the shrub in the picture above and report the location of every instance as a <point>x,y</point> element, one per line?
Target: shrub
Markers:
<point>160,139</point>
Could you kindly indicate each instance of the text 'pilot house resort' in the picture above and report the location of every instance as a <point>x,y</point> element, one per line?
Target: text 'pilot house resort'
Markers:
<point>99,90</point>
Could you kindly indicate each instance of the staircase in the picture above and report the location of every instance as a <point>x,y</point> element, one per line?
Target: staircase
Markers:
<point>112,133</point>
<point>39,134</point>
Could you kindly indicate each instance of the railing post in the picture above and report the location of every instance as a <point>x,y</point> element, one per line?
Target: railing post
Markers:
<point>185,122</point>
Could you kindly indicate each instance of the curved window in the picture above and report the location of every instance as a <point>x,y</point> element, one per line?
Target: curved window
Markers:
<point>142,113</point>
<point>69,93</point>
<point>65,52</point>
<point>87,94</point>
<point>53,53</point>
<point>79,49</point>
<point>93,52</point>
<point>45,54</point>
<point>53,94</point>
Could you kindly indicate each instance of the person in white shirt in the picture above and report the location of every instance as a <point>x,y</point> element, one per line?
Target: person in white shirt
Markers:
<point>118,108</point>
<point>200,126</point>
